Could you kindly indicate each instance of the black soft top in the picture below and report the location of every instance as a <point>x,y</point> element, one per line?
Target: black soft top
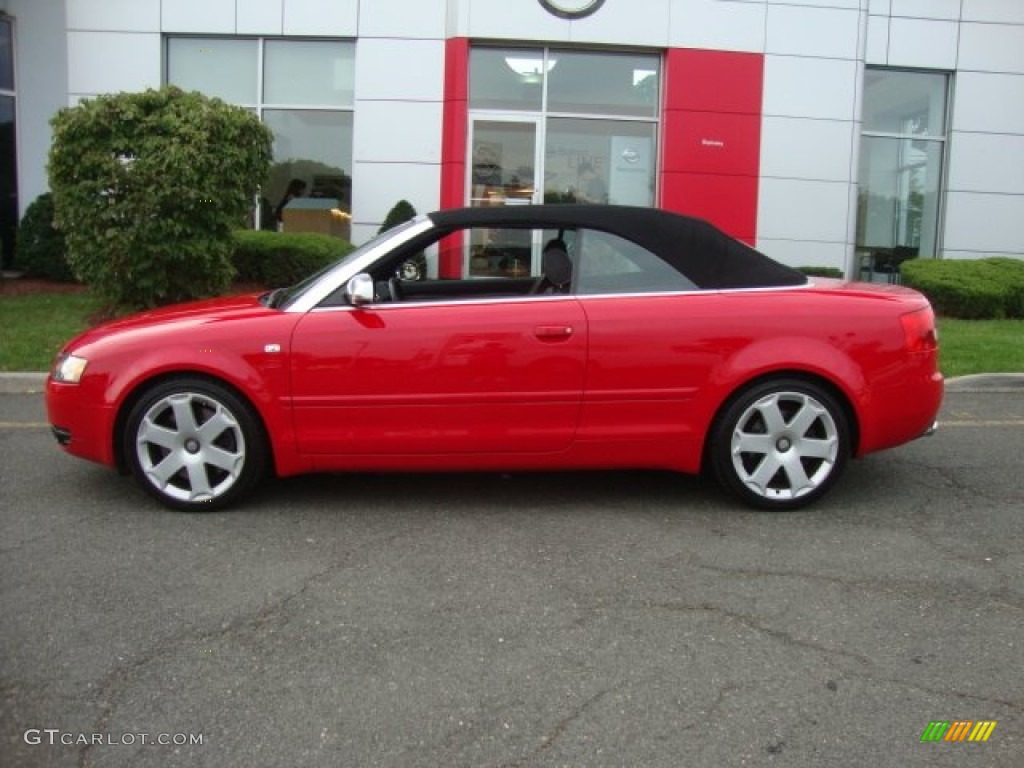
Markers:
<point>706,255</point>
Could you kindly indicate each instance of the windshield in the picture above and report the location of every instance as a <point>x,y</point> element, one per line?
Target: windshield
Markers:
<point>282,297</point>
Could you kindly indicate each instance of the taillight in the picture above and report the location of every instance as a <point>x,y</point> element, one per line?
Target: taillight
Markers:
<point>919,330</point>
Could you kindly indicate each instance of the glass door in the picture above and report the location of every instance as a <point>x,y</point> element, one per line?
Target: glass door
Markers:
<point>503,162</point>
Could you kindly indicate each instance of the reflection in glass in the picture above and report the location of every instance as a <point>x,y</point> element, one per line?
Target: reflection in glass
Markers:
<point>312,73</point>
<point>899,195</point>
<point>506,78</point>
<point>314,147</point>
<point>604,84</point>
<point>8,181</point>
<point>599,161</point>
<point>905,102</point>
<point>6,56</point>
<point>214,66</point>
<point>502,162</point>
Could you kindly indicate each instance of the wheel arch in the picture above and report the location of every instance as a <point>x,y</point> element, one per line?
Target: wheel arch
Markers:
<point>834,389</point>
<point>139,389</point>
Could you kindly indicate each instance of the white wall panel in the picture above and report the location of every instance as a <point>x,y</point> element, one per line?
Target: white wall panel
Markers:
<point>800,31</point>
<point>804,253</point>
<point>798,148</point>
<point>203,16</point>
<point>402,18</point>
<point>989,223</point>
<point>114,15</point>
<point>105,62</point>
<point>376,187</point>
<point>623,22</point>
<point>399,69</point>
<point>808,87</point>
<point>716,25</point>
<point>397,131</point>
<point>989,103</point>
<point>922,43</point>
<point>260,17</point>
<point>994,11</point>
<point>802,210</point>
<point>878,40</point>
<point>41,75</point>
<point>986,162</point>
<point>992,48</point>
<point>819,3</point>
<point>327,18</point>
<point>882,7</point>
<point>927,9</point>
<point>515,19</point>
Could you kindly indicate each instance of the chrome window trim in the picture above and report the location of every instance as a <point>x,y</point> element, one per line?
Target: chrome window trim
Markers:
<point>392,305</point>
<point>351,266</point>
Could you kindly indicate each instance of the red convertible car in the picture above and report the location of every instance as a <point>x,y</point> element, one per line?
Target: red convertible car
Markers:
<point>573,337</point>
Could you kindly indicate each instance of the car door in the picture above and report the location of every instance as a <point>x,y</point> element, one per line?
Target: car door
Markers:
<point>439,377</point>
<point>649,353</point>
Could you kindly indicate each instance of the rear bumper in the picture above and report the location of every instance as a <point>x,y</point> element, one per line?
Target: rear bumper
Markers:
<point>903,412</point>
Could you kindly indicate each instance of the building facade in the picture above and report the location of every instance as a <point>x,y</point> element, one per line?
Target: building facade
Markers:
<point>842,133</point>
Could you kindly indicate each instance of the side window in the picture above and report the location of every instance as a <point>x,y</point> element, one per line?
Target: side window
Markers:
<point>611,264</point>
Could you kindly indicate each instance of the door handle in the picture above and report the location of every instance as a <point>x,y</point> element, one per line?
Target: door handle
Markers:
<point>552,332</point>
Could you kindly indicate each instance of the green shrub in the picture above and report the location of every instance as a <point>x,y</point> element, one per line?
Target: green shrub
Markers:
<point>40,247</point>
<point>277,259</point>
<point>401,212</point>
<point>821,271</point>
<point>969,288</point>
<point>147,189</point>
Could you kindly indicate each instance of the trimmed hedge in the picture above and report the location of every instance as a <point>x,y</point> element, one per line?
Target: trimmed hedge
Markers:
<point>822,271</point>
<point>969,288</point>
<point>278,259</point>
<point>40,250</point>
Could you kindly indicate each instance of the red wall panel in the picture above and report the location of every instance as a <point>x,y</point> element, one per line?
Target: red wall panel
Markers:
<point>453,139</point>
<point>711,143</point>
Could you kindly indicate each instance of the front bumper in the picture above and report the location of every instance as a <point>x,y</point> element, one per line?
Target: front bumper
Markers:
<point>80,422</point>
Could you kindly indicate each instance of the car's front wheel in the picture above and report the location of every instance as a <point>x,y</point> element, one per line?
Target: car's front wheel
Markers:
<point>194,444</point>
<point>780,444</point>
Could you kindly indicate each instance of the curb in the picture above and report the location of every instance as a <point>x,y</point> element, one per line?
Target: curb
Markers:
<point>22,383</point>
<point>29,383</point>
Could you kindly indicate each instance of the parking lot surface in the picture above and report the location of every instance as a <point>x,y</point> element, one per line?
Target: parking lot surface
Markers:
<point>600,619</point>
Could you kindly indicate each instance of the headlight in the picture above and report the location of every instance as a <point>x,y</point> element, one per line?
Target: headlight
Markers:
<point>69,369</point>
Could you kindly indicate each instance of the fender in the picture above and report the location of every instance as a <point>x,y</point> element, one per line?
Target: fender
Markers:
<point>262,378</point>
<point>781,355</point>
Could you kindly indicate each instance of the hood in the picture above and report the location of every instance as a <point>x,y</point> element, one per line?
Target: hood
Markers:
<point>189,315</point>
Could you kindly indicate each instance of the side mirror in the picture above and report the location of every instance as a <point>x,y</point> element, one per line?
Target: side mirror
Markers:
<point>359,290</point>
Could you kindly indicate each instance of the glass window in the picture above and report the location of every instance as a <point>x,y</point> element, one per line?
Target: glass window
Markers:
<point>314,147</point>
<point>603,83</point>
<point>506,78</point>
<point>901,159</point>
<point>217,67</point>
<point>611,264</point>
<point>304,92</point>
<point>599,161</point>
<point>911,103</point>
<point>309,73</point>
<point>6,56</point>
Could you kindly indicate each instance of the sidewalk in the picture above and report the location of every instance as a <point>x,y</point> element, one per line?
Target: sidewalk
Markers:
<point>28,383</point>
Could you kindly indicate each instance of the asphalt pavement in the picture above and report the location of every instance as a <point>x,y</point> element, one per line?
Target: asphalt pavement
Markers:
<point>564,619</point>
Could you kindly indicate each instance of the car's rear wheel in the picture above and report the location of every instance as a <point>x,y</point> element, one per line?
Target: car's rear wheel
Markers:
<point>781,444</point>
<point>194,444</point>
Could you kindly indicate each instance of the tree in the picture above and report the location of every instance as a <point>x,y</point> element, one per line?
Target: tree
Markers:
<point>148,187</point>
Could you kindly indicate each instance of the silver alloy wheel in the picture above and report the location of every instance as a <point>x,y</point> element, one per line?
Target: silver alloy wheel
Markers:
<point>784,445</point>
<point>190,447</point>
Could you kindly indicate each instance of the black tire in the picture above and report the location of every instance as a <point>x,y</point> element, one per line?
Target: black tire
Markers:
<point>212,460</point>
<point>781,444</point>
